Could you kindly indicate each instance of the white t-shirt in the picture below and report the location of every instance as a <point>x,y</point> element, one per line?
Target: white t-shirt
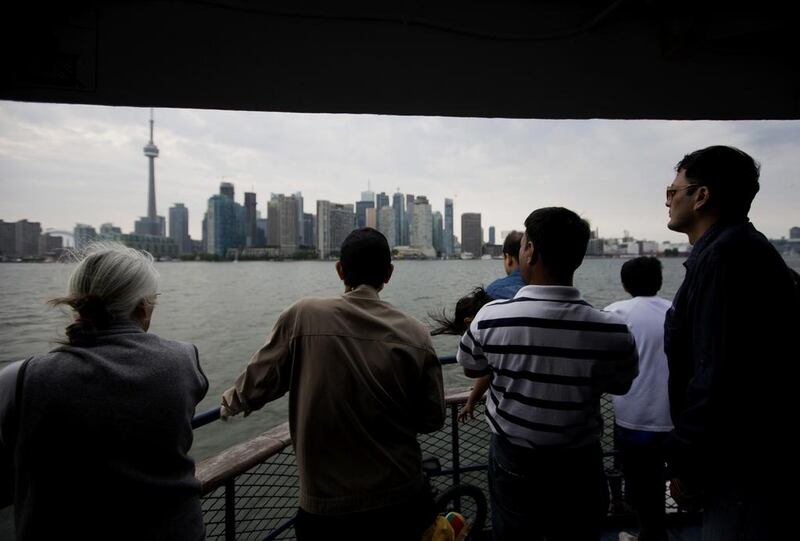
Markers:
<point>646,405</point>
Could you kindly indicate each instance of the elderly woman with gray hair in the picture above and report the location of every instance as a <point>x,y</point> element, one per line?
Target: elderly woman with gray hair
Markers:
<point>95,435</point>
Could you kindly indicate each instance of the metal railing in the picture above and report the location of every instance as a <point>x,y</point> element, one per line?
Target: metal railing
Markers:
<point>250,491</point>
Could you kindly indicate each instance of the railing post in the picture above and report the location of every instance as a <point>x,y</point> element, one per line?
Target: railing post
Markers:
<point>454,444</point>
<point>230,510</point>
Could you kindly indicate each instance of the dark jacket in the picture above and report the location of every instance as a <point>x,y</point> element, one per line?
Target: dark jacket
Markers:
<point>102,440</point>
<point>728,339</point>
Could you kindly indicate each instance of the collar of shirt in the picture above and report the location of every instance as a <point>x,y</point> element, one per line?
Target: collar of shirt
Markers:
<point>707,238</point>
<point>554,293</point>
<point>363,291</point>
<point>121,327</point>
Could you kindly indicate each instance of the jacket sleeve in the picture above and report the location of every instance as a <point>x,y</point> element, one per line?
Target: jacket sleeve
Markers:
<point>268,373</point>
<point>431,413</point>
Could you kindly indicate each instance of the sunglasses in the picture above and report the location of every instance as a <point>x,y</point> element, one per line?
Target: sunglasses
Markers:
<point>672,189</point>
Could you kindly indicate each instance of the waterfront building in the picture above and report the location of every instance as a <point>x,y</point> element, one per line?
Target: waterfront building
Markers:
<point>282,215</point>
<point>308,230</point>
<point>371,218</point>
<point>227,189</point>
<point>7,235</point>
<point>51,245</point>
<point>334,222</point>
<point>300,228</point>
<point>794,233</point>
<point>491,234</point>
<point>381,200</point>
<point>224,223</point>
<point>422,224</point>
<point>179,227</point>
<point>152,224</point>
<point>398,204</point>
<point>471,234</point>
<point>438,233</point>
<point>409,219</point>
<point>449,248</point>
<point>386,224</point>
<point>250,217</point>
<point>368,196</point>
<point>262,225</point>
<point>361,211</point>
<point>83,235</point>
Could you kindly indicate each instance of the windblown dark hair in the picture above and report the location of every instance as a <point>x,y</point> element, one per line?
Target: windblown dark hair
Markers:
<point>467,306</point>
<point>92,317</point>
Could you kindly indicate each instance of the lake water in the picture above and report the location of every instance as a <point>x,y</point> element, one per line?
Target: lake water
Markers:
<point>227,310</point>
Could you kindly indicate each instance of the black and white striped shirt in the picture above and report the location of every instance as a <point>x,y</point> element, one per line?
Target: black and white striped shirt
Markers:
<point>550,356</point>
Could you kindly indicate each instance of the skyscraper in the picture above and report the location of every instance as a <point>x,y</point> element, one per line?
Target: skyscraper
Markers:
<point>409,219</point>
<point>398,205</point>
<point>381,200</point>
<point>361,212</point>
<point>152,224</point>
<point>250,223</point>
<point>282,216</point>
<point>83,234</point>
<point>422,223</point>
<point>449,249</point>
<point>225,222</point>
<point>179,227</point>
<point>301,229</point>
<point>386,224</point>
<point>334,222</point>
<point>368,195</point>
<point>226,189</point>
<point>438,233</point>
<point>491,234</point>
<point>471,234</point>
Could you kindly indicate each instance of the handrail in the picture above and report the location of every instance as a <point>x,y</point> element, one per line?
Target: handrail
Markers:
<point>209,416</point>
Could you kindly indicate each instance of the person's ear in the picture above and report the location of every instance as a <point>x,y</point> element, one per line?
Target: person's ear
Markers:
<point>468,320</point>
<point>340,270</point>
<point>702,198</point>
<point>389,274</point>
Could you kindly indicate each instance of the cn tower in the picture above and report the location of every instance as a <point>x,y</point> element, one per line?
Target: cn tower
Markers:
<point>151,151</point>
<point>152,224</point>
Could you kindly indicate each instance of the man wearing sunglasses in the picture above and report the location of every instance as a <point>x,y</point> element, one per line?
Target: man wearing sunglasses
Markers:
<point>728,341</point>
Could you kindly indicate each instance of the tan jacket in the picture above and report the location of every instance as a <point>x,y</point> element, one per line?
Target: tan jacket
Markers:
<point>363,381</point>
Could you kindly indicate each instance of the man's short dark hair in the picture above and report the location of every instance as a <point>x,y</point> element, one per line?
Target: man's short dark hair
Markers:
<point>560,237</point>
<point>511,244</point>
<point>365,258</point>
<point>641,276</point>
<point>730,174</point>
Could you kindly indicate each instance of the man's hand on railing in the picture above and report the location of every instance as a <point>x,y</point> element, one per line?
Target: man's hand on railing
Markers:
<point>225,413</point>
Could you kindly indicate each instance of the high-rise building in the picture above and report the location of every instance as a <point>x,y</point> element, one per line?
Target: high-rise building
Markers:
<point>301,229</point>
<point>371,218</point>
<point>250,217</point>
<point>27,238</point>
<point>449,248</point>
<point>491,234</point>
<point>381,200</point>
<point>471,233</point>
<point>361,212</point>
<point>409,219</point>
<point>262,225</point>
<point>438,233</point>
<point>226,189</point>
<point>7,239</point>
<point>224,223</point>
<point>386,224</point>
<point>152,224</point>
<point>422,223</point>
<point>179,227</point>
<point>334,222</point>
<point>282,216</point>
<point>398,205</point>
<point>794,233</point>
<point>83,234</point>
<point>368,196</point>
<point>308,229</point>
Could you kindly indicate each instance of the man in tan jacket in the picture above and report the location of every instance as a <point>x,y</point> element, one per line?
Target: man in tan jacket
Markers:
<point>363,381</point>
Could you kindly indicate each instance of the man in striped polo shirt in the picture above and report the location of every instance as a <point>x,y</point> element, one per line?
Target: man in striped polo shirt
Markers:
<point>550,356</point>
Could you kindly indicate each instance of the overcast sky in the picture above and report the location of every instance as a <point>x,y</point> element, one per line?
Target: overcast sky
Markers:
<point>62,164</point>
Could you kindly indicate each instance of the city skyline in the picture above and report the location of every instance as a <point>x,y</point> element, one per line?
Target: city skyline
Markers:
<point>487,166</point>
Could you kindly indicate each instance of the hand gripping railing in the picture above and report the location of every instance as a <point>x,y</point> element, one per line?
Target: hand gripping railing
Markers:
<point>209,416</point>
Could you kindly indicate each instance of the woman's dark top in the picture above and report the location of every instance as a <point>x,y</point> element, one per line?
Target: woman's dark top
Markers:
<point>102,439</point>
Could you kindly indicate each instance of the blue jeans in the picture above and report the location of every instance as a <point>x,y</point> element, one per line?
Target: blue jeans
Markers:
<point>546,494</point>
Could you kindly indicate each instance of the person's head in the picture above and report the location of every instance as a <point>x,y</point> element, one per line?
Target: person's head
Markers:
<point>511,251</point>
<point>111,283</point>
<point>553,246</point>
<point>641,276</point>
<point>718,182</point>
<point>365,258</point>
<point>467,308</point>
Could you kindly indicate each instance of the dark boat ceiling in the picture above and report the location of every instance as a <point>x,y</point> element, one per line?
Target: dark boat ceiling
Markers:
<point>529,59</point>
